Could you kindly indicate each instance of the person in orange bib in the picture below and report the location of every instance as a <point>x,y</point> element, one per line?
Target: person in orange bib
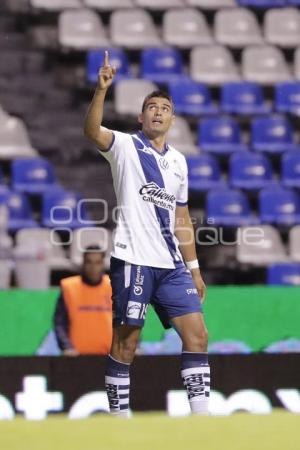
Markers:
<point>83,314</point>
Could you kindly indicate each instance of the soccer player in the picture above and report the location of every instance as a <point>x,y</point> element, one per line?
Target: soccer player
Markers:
<point>154,257</point>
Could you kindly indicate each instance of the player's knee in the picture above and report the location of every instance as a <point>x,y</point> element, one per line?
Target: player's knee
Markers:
<point>125,349</point>
<point>196,342</point>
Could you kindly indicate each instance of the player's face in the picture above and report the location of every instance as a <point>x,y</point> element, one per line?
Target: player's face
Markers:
<point>157,116</point>
<point>93,266</point>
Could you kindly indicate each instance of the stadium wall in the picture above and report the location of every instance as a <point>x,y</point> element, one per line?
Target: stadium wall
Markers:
<point>37,386</point>
<point>255,315</point>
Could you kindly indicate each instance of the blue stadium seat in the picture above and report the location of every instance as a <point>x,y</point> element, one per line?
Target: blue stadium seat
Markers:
<point>117,57</point>
<point>293,2</point>
<point>287,274</point>
<point>262,3</point>
<point>279,206</point>
<point>204,173</point>
<point>161,65</point>
<point>290,169</point>
<point>19,210</point>
<point>220,135</point>
<point>249,170</point>
<point>32,175</point>
<point>273,134</point>
<point>243,98</point>
<point>229,207</point>
<point>61,209</point>
<point>287,97</point>
<point>190,97</point>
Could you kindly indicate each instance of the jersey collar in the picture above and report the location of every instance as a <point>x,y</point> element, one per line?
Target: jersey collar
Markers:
<point>147,143</point>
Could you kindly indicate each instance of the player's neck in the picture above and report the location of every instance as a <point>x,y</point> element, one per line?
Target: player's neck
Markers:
<point>158,142</point>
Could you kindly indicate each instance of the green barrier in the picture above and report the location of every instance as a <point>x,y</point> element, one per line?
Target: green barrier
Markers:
<point>256,315</point>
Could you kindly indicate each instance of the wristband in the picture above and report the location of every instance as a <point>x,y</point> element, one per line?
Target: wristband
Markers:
<point>192,264</point>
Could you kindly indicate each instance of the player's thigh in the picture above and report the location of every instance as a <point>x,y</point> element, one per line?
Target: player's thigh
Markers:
<point>131,292</point>
<point>192,330</point>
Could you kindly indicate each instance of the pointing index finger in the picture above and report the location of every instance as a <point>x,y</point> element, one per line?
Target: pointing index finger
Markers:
<point>106,58</point>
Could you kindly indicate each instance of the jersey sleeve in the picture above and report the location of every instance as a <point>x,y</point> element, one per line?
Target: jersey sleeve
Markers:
<point>182,194</point>
<point>117,147</point>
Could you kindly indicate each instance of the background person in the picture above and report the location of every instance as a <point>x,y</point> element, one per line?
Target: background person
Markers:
<point>83,314</point>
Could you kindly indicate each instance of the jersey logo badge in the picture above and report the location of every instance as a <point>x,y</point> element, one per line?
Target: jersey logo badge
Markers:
<point>163,163</point>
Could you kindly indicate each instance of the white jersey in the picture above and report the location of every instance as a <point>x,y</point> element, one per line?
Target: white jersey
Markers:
<point>148,186</point>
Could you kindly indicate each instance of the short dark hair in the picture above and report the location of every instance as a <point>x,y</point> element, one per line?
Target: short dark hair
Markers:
<point>93,249</point>
<point>158,93</point>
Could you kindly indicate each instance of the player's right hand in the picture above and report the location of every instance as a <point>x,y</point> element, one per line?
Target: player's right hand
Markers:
<point>106,73</point>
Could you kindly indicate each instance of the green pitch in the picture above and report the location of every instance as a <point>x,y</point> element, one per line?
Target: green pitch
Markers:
<point>277,431</point>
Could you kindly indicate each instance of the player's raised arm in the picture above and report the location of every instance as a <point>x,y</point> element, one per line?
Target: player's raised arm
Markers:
<point>93,130</point>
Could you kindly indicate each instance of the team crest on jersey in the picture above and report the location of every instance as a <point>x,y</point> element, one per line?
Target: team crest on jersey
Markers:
<point>163,163</point>
<point>151,192</point>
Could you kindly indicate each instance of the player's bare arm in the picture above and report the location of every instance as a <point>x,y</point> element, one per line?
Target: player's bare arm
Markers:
<point>93,129</point>
<point>184,232</point>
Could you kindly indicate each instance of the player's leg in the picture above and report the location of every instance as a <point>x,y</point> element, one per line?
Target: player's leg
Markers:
<point>178,296</point>
<point>195,370</point>
<point>132,288</point>
<point>117,377</point>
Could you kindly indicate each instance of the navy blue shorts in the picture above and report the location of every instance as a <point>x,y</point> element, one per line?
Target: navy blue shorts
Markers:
<point>171,292</point>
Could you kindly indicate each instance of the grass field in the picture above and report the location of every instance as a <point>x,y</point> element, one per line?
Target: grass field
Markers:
<point>277,431</point>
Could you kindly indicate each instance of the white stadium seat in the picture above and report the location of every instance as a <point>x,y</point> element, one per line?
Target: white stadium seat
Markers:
<point>186,28</point>
<point>282,27</point>
<point>81,29</point>
<point>180,136</point>
<point>129,95</point>
<point>213,65</point>
<point>237,27</point>
<point>264,64</point>
<point>134,29</point>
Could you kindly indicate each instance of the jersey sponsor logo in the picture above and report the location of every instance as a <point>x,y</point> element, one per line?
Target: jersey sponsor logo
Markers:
<point>191,291</point>
<point>151,192</point>
<point>139,279</point>
<point>163,163</point>
<point>136,310</point>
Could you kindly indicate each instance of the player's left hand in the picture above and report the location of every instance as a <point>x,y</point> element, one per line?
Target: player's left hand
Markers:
<point>199,283</point>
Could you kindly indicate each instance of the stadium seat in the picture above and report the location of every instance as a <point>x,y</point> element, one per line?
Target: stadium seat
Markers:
<point>260,246</point>
<point>287,274</point>
<point>262,3</point>
<point>55,5</point>
<point>220,135</point>
<point>180,137</point>
<point>190,97</point>
<point>161,65</point>
<point>51,240</point>
<point>133,29</point>
<point>159,4</point>
<point>19,210</point>
<point>204,173</point>
<point>290,169</point>
<point>282,27</point>
<point>297,63</point>
<point>294,243</point>
<point>287,97</point>
<point>117,58</point>
<point>129,95</point>
<point>228,207</point>
<point>213,65</point>
<point>186,28</point>
<point>273,134</point>
<point>250,171</point>
<point>81,29</point>
<point>61,209</point>
<point>264,64</point>
<point>237,27</point>
<point>33,175</point>
<point>14,139</point>
<point>108,5</point>
<point>279,206</point>
<point>243,98</point>
<point>90,236</point>
<point>293,2</point>
<point>211,4</point>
